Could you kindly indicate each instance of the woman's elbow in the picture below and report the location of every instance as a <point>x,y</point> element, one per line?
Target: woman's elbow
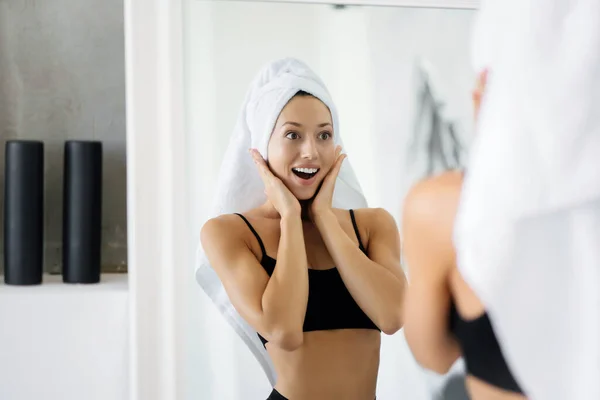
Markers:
<point>392,321</point>
<point>288,340</point>
<point>437,365</point>
<point>439,362</point>
<point>391,325</point>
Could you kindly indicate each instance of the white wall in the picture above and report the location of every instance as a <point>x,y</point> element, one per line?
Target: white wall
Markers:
<point>365,56</point>
<point>398,38</point>
<point>62,77</point>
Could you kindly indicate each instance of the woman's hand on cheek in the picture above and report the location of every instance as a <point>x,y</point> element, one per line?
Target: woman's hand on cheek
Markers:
<point>322,203</point>
<point>284,201</point>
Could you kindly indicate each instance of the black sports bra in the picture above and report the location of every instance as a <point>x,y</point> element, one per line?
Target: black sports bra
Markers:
<point>481,351</point>
<point>330,304</point>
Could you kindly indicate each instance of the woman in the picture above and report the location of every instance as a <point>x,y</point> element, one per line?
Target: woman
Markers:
<point>444,318</point>
<point>317,283</point>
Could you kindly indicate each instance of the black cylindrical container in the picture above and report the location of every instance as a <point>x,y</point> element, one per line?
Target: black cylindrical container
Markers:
<point>23,212</point>
<point>82,211</point>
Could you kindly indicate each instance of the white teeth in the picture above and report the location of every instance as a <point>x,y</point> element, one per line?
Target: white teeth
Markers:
<point>306,170</point>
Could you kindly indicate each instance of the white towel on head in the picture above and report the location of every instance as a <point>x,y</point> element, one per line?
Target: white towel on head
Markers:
<point>528,229</point>
<point>240,187</point>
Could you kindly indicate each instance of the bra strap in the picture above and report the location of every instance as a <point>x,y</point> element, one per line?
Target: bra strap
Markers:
<point>360,245</point>
<point>260,242</point>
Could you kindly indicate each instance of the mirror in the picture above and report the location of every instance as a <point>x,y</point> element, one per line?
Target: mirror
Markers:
<point>401,79</point>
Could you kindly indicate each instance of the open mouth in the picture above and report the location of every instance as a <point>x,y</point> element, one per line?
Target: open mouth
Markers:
<point>305,173</point>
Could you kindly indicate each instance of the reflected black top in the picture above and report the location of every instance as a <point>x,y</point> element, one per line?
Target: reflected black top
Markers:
<point>330,304</point>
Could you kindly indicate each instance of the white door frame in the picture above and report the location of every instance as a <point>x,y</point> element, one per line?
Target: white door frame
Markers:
<point>156,161</point>
<point>462,4</point>
<point>158,260</point>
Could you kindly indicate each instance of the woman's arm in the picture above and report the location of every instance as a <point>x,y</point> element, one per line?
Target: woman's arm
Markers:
<point>376,282</point>
<point>274,307</point>
<point>428,220</point>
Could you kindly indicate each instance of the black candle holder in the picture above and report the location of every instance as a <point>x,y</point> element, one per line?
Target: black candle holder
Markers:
<point>82,211</point>
<point>23,212</point>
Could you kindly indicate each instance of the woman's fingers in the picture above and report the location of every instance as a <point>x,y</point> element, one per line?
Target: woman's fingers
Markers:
<point>337,165</point>
<point>479,92</point>
<point>482,81</point>
<point>261,164</point>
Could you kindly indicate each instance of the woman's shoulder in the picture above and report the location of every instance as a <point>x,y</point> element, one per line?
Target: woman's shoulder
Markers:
<point>370,213</point>
<point>444,183</point>
<point>232,220</point>
<point>435,191</point>
<point>237,226</point>
<point>431,203</point>
<point>225,227</point>
<point>369,218</point>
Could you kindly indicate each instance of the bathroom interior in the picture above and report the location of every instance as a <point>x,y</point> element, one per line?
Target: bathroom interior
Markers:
<point>159,85</point>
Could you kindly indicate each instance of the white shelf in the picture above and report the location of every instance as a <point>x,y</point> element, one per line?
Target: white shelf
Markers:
<point>65,341</point>
<point>109,283</point>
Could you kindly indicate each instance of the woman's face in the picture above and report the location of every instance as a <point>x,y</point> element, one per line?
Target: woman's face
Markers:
<point>301,149</point>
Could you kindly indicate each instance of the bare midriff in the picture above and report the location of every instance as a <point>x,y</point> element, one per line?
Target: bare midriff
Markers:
<point>334,364</point>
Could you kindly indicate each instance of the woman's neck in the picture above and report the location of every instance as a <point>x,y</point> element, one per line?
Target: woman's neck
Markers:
<point>305,207</point>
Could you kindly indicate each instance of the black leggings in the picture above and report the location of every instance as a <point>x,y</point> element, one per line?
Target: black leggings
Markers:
<point>275,395</point>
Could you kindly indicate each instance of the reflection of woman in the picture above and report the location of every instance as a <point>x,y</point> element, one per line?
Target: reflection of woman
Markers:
<point>316,282</point>
<point>444,317</point>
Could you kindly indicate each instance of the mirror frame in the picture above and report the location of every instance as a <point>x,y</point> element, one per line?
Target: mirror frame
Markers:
<point>158,249</point>
<point>461,4</point>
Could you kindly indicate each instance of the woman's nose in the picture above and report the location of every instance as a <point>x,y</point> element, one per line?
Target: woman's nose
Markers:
<point>309,150</point>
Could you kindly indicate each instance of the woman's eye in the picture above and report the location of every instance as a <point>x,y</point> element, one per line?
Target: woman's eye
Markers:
<point>324,135</point>
<point>292,135</point>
